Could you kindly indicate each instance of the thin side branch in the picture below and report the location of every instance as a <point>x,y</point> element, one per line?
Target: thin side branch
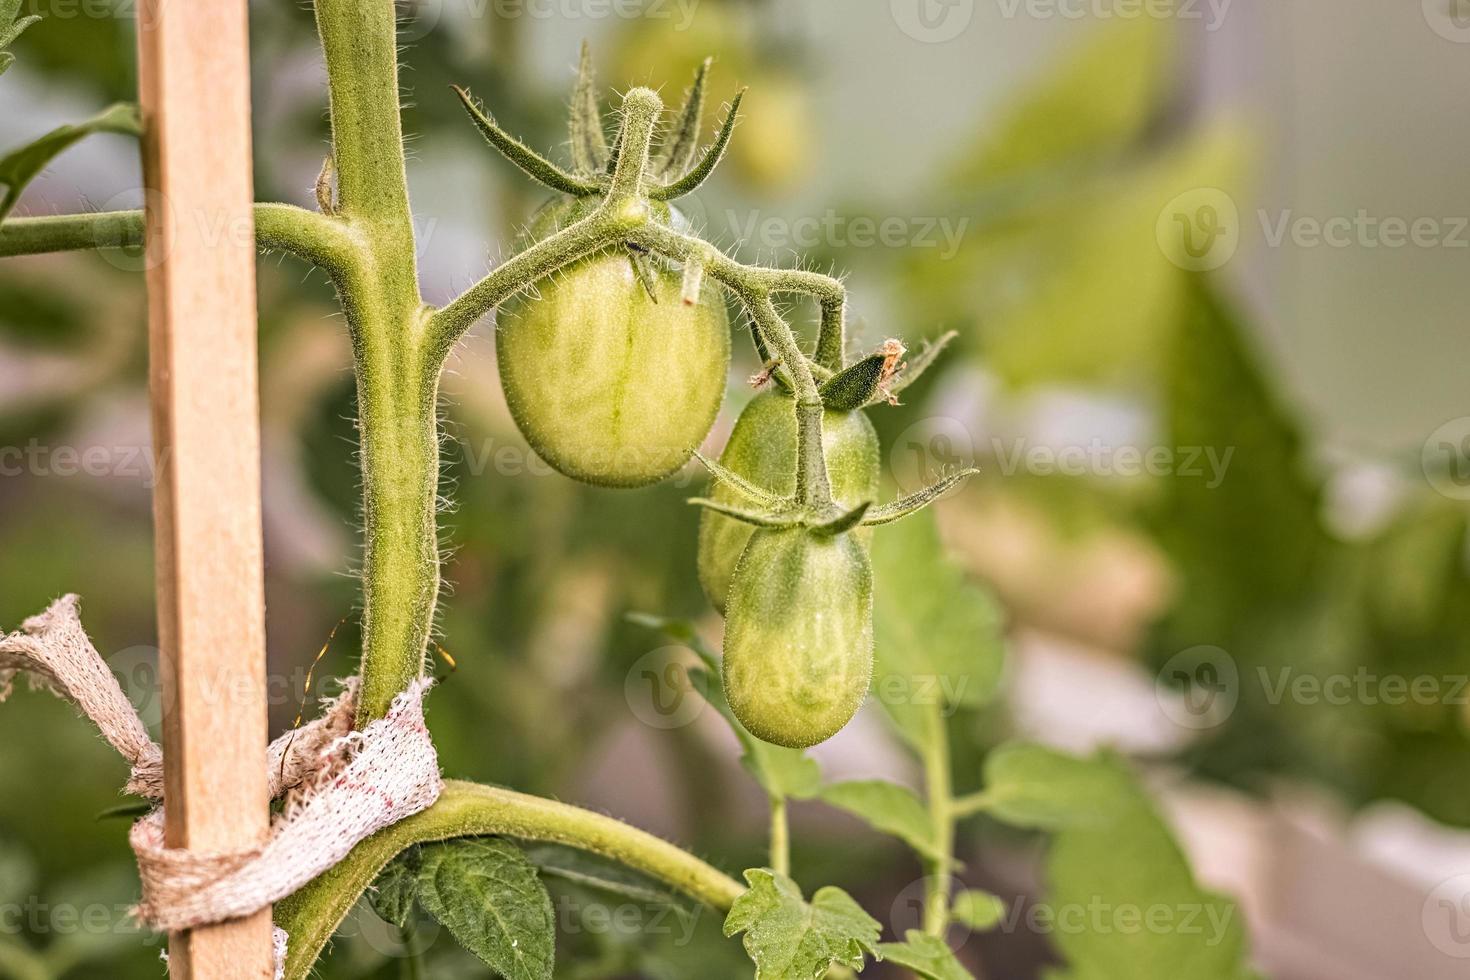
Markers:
<point>318,239</point>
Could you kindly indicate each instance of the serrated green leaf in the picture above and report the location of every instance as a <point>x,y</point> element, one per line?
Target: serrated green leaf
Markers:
<point>937,636</point>
<point>1033,786</point>
<point>487,893</point>
<point>978,909</point>
<point>20,166</point>
<point>1121,902</point>
<point>789,939</point>
<point>590,871</point>
<point>783,773</point>
<point>888,808</point>
<point>928,956</point>
<point>10,29</point>
<point>396,890</point>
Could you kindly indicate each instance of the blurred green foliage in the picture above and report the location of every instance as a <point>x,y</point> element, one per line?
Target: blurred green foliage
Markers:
<point>1058,282</point>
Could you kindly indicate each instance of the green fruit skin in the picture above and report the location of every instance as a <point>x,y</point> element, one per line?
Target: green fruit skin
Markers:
<point>799,635</point>
<point>762,448</point>
<point>607,386</point>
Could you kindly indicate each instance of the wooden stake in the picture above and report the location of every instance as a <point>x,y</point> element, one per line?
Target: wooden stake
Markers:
<point>195,91</point>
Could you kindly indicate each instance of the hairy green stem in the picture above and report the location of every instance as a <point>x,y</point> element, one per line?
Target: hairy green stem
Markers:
<point>937,781</point>
<point>464,810</point>
<point>278,227</point>
<point>780,836</point>
<point>397,361</point>
<point>813,488</point>
<point>832,336</point>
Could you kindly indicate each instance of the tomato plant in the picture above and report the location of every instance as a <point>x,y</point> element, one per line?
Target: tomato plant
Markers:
<point>613,347</point>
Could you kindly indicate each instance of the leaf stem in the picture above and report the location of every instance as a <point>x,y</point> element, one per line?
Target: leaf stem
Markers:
<point>937,781</point>
<point>971,804</point>
<point>464,810</point>
<point>278,227</point>
<point>780,836</point>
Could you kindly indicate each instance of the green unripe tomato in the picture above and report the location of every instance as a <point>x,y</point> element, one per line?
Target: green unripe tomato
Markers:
<point>606,385</point>
<point>762,448</point>
<point>799,635</point>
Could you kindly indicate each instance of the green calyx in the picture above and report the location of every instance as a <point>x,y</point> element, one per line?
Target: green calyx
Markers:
<point>671,171</point>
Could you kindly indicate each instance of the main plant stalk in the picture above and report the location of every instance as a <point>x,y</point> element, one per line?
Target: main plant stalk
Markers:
<point>397,365</point>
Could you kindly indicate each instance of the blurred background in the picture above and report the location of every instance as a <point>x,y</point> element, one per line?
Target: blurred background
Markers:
<point>1207,262</point>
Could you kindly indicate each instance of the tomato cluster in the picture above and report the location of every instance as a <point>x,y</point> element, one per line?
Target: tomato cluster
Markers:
<point>614,368</point>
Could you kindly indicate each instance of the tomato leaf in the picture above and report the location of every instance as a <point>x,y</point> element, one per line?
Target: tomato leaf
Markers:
<point>789,939</point>
<point>1033,786</point>
<point>394,893</point>
<point>590,871</point>
<point>10,29</point>
<point>888,808</point>
<point>938,637</point>
<point>978,909</point>
<point>928,956</point>
<point>20,166</point>
<point>1112,852</point>
<point>487,893</point>
<point>783,773</point>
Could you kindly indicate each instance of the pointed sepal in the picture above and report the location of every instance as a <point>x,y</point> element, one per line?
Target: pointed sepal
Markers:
<point>738,483</point>
<point>589,143</point>
<point>845,521</point>
<point>746,515</point>
<point>533,164</point>
<point>915,502</point>
<point>700,172</point>
<point>911,370</point>
<point>643,269</point>
<point>683,137</point>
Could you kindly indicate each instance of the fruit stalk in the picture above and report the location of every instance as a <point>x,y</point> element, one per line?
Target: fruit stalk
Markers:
<point>813,488</point>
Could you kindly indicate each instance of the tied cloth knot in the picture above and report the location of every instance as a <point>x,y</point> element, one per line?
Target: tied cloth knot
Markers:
<point>338,786</point>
